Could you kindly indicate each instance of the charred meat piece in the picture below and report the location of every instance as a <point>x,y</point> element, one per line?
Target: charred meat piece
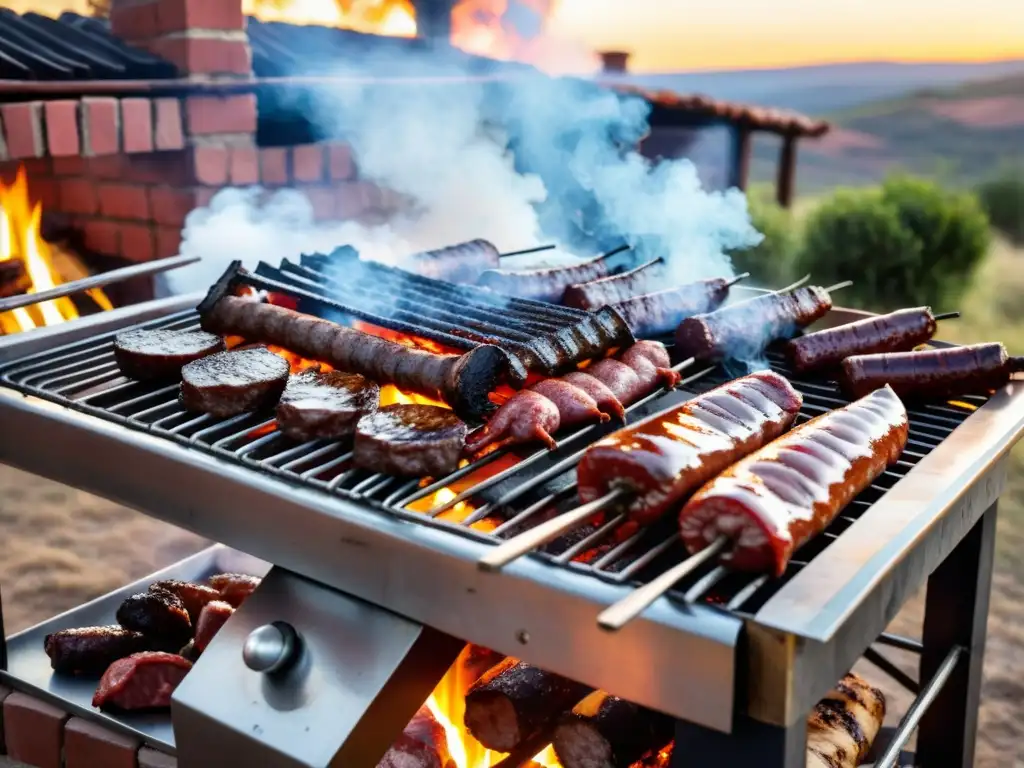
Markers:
<point>88,651</point>
<point>605,291</point>
<point>192,596</point>
<point>665,457</point>
<point>514,700</point>
<point>604,731</point>
<point>606,400</point>
<point>423,744</point>
<point>460,263</point>
<point>463,381</point>
<point>146,354</point>
<point>843,725</point>
<point>658,313</point>
<point>524,418</point>
<point>234,588</point>
<point>773,501</point>
<point>574,405</point>
<point>229,383</point>
<point>141,681</point>
<point>934,374</point>
<point>159,615</point>
<point>656,356</point>
<point>543,284</point>
<point>744,329</point>
<point>318,405</point>
<point>410,440</point>
<point>213,617</point>
<point>898,331</point>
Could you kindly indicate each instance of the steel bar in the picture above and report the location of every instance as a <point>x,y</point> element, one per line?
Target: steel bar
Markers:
<point>892,670</point>
<point>898,641</point>
<point>97,281</point>
<point>918,709</point>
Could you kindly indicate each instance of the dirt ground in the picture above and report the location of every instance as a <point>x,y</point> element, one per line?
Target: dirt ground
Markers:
<point>60,547</point>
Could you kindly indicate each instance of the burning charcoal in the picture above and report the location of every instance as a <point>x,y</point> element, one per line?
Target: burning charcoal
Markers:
<point>608,732</point>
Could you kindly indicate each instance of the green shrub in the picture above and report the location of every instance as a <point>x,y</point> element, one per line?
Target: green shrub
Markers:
<point>907,243</point>
<point>770,262</point>
<point>1003,201</point>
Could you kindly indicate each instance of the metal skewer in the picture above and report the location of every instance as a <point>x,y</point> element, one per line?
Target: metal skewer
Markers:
<point>947,316</point>
<point>621,613</point>
<point>535,249</point>
<point>738,278</point>
<point>838,286</point>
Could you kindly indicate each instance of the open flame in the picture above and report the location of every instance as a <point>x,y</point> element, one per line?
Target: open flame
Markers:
<point>21,240</point>
<point>393,18</point>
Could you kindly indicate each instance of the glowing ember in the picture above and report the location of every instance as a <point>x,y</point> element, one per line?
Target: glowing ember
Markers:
<point>463,509</point>
<point>20,239</point>
<point>393,18</point>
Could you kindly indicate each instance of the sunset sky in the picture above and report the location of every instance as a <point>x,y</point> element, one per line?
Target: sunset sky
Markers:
<point>667,35</point>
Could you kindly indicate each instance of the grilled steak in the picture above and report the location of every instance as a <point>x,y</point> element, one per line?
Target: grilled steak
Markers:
<point>88,651</point>
<point>229,383</point>
<point>213,617</point>
<point>159,615</point>
<point>322,405</point>
<point>234,587</point>
<point>192,596</point>
<point>141,681</point>
<point>147,354</point>
<point>414,440</point>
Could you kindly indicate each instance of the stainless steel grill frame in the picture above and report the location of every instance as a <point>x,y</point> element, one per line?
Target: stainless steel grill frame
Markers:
<point>753,672</point>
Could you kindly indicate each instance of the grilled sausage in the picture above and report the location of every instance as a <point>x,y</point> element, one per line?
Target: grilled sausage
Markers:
<point>230,383</point>
<point>423,744</point>
<point>148,354</point>
<point>898,331</point>
<point>574,405</point>
<point>636,372</point>
<point>214,616</point>
<point>317,405</point>
<point>776,499</point>
<point>462,381</point>
<point>605,399</point>
<point>141,681</point>
<point>667,455</point>
<point>460,263</point>
<point>411,440</point>
<point>192,596</point>
<point>938,374</point>
<point>543,284</point>
<point>843,726</point>
<point>658,313</point>
<point>159,615</point>
<point>604,731</point>
<point>88,651</point>
<point>610,290</point>
<point>525,417</point>
<point>746,328</point>
<point>234,588</point>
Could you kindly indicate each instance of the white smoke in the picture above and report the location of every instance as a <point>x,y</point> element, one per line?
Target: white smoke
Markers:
<point>573,177</point>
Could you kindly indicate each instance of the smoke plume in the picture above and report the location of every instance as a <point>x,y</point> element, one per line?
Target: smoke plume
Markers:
<point>530,159</point>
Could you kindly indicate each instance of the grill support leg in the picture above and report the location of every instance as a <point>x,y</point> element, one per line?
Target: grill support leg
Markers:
<point>750,743</point>
<point>3,634</point>
<point>956,611</point>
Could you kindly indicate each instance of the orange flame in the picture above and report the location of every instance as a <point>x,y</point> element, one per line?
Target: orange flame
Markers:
<point>20,239</point>
<point>394,18</point>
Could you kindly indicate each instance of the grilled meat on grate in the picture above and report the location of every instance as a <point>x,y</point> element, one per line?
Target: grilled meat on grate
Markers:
<point>460,263</point>
<point>543,284</point>
<point>147,354</point>
<point>410,440</point>
<point>193,596</point>
<point>661,312</point>
<point>612,289</point>
<point>159,615</point>
<point>316,404</point>
<point>230,383</point>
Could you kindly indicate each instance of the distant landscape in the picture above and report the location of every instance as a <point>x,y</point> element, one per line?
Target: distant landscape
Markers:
<point>958,122</point>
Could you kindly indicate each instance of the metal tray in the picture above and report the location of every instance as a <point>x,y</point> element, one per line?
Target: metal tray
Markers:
<point>28,667</point>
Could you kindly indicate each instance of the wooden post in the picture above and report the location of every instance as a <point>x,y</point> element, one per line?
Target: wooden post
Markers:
<point>739,156</point>
<point>787,171</point>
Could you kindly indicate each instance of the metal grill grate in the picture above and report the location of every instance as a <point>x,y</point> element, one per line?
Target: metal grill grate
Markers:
<point>491,499</point>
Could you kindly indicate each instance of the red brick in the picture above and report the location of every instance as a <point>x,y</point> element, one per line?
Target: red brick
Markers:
<point>150,758</point>
<point>354,199</point>
<point>137,125</point>
<point>109,167</point>
<point>33,731</point>
<point>78,196</point>
<point>169,133</point>
<point>62,127</point>
<point>244,166</point>
<point>308,162</point>
<point>100,129</point>
<point>74,165</point>
<point>102,237</point>
<point>174,168</point>
<point>134,22</point>
<point>207,115</point>
<point>170,206</point>
<point>124,201</point>
<point>45,191</point>
<point>322,199</point>
<point>87,745</point>
<point>23,129</point>
<point>211,165</point>
<point>181,15</point>
<point>204,195</point>
<point>3,143</point>
<point>38,166</point>
<point>274,166</point>
<point>168,242</point>
<point>204,55</point>
<point>4,693</point>
<point>136,242</point>
<point>339,161</point>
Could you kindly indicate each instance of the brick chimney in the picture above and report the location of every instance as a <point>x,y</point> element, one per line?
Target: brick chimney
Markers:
<point>614,62</point>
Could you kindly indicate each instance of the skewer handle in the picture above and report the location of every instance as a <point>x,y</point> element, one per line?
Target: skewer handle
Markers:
<point>795,285</point>
<point>738,278</point>
<point>529,540</point>
<point>947,316</point>
<point>839,286</point>
<point>536,249</point>
<point>615,617</point>
<point>684,365</point>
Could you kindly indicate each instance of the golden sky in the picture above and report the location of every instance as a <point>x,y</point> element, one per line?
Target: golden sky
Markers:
<point>667,35</point>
